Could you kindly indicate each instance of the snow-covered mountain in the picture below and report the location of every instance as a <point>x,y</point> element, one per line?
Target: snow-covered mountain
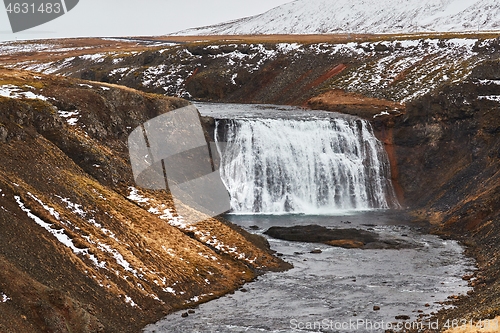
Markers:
<point>364,16</point>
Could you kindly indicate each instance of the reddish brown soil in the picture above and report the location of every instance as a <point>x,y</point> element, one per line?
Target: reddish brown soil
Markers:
<point>351,103</point>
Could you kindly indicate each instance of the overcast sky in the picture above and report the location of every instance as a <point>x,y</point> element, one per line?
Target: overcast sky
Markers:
<point>137,17</point>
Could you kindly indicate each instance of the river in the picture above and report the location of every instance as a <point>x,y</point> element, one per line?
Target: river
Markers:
<point>331,289</point>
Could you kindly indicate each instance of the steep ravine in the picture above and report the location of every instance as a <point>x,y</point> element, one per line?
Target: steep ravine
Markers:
<point>442,132</point>
<point>444,148</point>
<point>433,102</point>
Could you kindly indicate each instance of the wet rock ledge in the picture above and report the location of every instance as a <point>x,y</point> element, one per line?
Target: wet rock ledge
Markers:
<point>345,238</point>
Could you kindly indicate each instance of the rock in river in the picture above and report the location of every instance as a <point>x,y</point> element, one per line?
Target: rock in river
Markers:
<point>346,238</point>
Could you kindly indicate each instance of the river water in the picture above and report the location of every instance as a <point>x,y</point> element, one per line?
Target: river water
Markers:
<point>335,290</point>
<point>337,286</point>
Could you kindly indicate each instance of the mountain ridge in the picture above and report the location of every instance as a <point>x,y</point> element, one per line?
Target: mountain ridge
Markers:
<point>363,16</point>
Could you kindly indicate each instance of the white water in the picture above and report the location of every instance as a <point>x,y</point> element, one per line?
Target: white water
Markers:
<point>308,166</point>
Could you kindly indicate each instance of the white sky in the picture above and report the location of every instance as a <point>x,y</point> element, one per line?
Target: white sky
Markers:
<point>106,18</point>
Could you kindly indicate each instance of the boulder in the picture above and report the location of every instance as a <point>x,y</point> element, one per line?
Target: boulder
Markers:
<point>318,234</point>
<point>3,134</point>
<point>346,238</point>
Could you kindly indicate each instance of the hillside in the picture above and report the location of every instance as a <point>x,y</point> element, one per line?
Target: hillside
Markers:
<point>368,16</point>
<point>396,69</point>
<point>81,249</point>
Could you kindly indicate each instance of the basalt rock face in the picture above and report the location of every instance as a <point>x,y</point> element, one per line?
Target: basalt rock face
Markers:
<point>455,135</point>
<point>447,151</point>
<point>81,249</point>
<point>446,154</point>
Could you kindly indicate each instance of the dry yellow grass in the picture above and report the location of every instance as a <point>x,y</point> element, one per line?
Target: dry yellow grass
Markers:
<point>320,38</point>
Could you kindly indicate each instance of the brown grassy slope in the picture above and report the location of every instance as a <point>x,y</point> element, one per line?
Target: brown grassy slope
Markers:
<point>82,173</point>
<point>53,49</point>
<point>317,38</point>
<point>355,104</point>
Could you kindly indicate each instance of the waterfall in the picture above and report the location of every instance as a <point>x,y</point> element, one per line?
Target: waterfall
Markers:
<point>303,166</point>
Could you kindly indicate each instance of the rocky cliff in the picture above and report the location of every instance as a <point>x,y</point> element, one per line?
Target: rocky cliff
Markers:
<point>447,149</point>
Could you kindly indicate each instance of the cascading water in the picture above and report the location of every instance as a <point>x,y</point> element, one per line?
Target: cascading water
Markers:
<point>303,166</point>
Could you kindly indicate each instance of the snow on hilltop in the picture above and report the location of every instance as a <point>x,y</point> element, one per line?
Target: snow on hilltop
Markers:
<point>364,16</point>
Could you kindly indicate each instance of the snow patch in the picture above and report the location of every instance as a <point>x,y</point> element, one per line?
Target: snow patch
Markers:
<point>12,91</point>
<point>118,257</point>
<point>135,196</point>
<point>22,47</point>
<point>75,208</point>
<point>98,57</point>
<point>129,300</point>
<point>72,117</point>
<point>120,71</point>
<point>57,233</point>
<point>287,47</point>
<point>490,82</point>
<point>14,47</point>
<point>4,298</point>
<point>51,210</point>
<point>383,113</point>
<point>494,98</point>
<point>233,77</point>
<point>169,290</point>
